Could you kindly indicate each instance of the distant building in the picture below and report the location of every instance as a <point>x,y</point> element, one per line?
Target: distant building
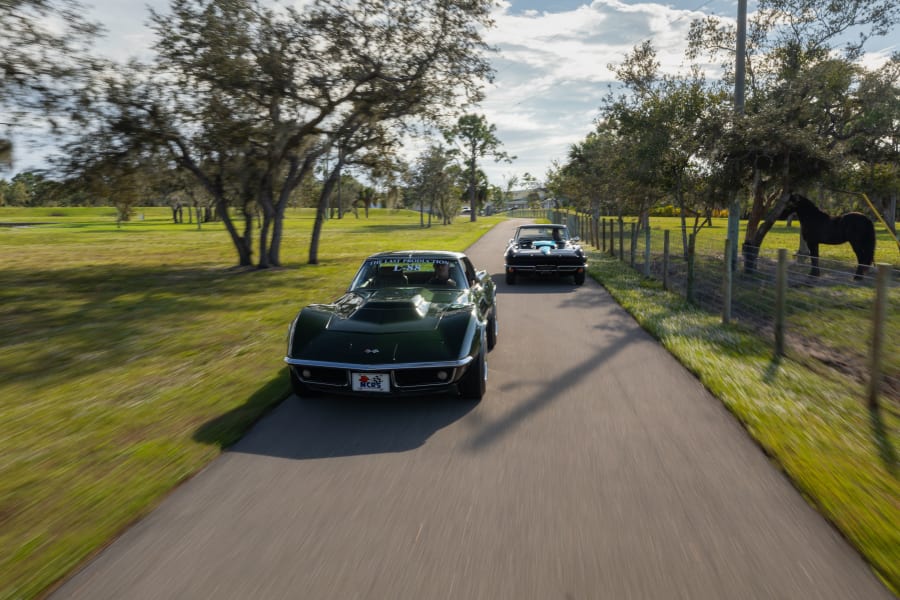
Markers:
<point>520,199</point>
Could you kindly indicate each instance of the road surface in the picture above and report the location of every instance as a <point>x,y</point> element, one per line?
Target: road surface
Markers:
<point>595,467</point>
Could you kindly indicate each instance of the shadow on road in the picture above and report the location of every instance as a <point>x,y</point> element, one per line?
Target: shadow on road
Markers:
<point>534,285</point>
<point>326,426</point>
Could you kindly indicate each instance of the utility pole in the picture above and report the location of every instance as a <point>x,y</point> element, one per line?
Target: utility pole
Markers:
<point>734,210</point>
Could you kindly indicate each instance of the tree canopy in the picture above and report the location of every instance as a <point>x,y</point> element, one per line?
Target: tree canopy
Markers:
<point>44,66</point>
<point>250,98</point>
<point>475,138</point>
<point>814,116</point>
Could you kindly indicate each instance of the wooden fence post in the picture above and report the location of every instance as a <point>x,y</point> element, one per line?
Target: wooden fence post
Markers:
<point>879,314</point>
<point>622,240</point>
<point>612,237</point>
<point>665,265</point>
<point>647,250</point>
<point>632,245</point>
<point>726,284</point>
<point>780,300</point>
<point>689,292</point>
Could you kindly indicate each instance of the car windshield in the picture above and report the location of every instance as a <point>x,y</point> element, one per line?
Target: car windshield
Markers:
<point>558,234</point>
<point>427,272</point>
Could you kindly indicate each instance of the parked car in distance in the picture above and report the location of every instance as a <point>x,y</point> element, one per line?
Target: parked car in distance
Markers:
<point>544,250</point>
<point>411,322</point>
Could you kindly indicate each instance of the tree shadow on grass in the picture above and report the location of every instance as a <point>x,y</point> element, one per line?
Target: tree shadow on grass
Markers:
<point>275,423</point>
<point>87,319</point>
<point>384,228</point>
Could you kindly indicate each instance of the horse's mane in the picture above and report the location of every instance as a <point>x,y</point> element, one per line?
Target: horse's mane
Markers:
<point>799,201</point>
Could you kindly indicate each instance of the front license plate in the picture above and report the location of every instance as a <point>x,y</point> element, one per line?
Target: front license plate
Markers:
<point>371,382</point>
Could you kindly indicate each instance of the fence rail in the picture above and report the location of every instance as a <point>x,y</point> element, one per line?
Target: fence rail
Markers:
<point>851,326</point>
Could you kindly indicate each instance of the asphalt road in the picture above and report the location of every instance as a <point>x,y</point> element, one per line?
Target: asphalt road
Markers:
<point>595,467</point>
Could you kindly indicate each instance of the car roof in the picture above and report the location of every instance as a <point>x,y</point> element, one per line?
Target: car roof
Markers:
<point>549,225</point>
<point>400,254</point>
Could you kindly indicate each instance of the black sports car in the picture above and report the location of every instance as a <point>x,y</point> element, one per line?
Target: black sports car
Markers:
<point>411,322</point>
<point>544,250</point>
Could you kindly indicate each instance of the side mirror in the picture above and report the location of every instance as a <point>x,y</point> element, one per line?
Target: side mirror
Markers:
<point>576,239</point>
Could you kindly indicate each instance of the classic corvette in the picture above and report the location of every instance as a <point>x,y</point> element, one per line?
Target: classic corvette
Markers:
<point>544,250</point>
<point>412,322</point>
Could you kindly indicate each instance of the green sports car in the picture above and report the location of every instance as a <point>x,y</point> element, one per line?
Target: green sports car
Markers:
<point>412,322</point>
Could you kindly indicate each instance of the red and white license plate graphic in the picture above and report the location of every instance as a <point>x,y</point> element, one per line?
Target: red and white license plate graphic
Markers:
<point>371,382</point>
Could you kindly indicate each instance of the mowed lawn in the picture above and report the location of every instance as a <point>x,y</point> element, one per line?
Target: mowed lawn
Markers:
<point>131,355</point>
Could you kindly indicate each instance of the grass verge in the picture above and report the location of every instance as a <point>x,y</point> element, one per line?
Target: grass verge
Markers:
<point>839,454</point>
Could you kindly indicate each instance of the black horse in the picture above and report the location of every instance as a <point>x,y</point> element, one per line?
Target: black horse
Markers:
<point>818,227</point>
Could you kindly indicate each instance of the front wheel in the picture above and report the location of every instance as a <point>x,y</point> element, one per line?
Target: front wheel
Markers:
<point>474,382</point>
<point>493,329</point>
<point>579,278</point>
<point>510,278</point>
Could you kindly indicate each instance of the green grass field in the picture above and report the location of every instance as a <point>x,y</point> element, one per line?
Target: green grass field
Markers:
<point>132,355</point>
<point>711,239</point>
<point>835,315</point>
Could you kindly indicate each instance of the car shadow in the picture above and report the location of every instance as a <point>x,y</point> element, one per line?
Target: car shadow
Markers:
<point>322,426</point>
<point>534,285</point>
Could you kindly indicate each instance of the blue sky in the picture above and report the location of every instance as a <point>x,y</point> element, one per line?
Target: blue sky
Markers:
<point>551,68</point>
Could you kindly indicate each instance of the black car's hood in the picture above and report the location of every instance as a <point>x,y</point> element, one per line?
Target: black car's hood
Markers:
<point>390,325</point>
<point>395,310</point>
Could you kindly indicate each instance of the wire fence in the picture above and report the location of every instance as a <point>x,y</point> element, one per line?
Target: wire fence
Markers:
<point>850,325</point>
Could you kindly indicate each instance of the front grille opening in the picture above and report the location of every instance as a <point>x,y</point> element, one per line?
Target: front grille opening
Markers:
<point>423,377</point>
<point>322,375</point>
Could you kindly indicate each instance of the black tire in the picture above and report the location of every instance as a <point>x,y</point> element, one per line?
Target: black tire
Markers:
<point>579,278</point>
<point>493,328</point>
<point>510,278</point>
<point>474,382</point>
<point>298,387</point>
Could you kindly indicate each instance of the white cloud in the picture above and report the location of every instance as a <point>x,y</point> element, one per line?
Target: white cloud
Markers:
<point>553,70</point>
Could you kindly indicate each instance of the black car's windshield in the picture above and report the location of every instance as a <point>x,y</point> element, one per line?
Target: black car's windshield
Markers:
<point>532,234</point>
<point>428,272</point>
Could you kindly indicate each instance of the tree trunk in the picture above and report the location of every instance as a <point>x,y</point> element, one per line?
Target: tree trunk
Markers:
<point>240,244</point>
<point>277,234</point>
<point>296,173</point>
<point>321,213</point>
<point>891,213</point>
<point>265,225</point>
<point>763,214</point>
<point>472,188</point>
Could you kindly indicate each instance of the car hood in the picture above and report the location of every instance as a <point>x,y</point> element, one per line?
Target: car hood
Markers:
<point>407,324</point>
<point>396,310</point>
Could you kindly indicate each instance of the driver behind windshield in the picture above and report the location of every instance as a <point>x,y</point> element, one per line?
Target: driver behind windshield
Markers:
<point>442,275</point>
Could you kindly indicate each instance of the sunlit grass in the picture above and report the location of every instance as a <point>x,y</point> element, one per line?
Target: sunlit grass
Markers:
<point>131,355</point>
<point>711,240</point>
<point>841,455</point>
